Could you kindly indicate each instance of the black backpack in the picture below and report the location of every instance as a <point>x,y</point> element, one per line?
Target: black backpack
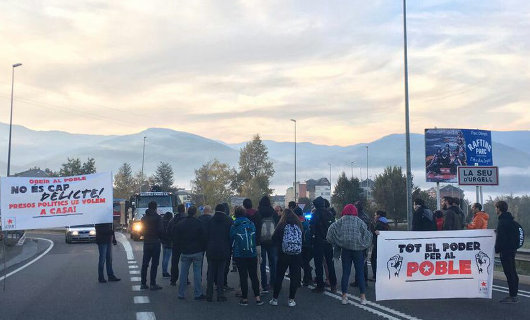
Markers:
<point>518,237</point>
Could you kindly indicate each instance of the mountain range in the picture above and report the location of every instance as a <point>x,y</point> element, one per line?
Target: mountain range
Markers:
<point>187,152</point>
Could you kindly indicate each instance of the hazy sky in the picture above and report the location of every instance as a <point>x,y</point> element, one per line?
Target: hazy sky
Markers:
<point>228,69</point>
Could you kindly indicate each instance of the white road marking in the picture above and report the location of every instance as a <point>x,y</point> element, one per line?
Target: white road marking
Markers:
<point>134,272</point>
<point>506,288</point>
<point>366,307</point>
<point>134,279</point>
<point>518,294</point>
<point>136,288</point>
<point>126,245</point>
<point>32,261</point>
<point>132,261</point>
<point>141,299</point>
<point>145,316</point>
<point>133,267</point>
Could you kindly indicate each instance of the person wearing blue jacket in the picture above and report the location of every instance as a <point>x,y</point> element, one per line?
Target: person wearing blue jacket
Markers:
<point>243,238</point>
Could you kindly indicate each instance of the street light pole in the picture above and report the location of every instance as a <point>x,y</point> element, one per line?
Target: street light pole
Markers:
<point>295,192</point>
<point>407,126</point>
<point>352,163</point>
<point>11,118</point>
<point>330,178</point>
<point>143,159</point>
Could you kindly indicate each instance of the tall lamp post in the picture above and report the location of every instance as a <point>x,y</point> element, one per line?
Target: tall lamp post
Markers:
<point>330,185</point>
<point>352,163</point>
<point>11,118</point>
<point>407,126</point>
<point>295,192</point>
<point>143,159</point>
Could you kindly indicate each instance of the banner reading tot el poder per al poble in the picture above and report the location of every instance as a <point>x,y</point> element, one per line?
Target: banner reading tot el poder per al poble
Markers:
<point>37,203</point>
<point>437,264</point>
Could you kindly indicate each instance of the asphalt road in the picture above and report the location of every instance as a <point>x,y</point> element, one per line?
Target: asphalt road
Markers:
<point>62,284</point>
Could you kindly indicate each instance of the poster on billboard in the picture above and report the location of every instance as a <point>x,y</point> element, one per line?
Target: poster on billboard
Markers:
<point>435,264</point>
<point>447,149</point>
<point>39,203</point>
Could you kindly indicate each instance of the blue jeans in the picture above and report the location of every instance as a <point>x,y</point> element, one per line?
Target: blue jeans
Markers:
<point>166,255</point>
<point>105,255</point>
<point>185,261</point>
<point>270,251</point>
<point>357,258</point>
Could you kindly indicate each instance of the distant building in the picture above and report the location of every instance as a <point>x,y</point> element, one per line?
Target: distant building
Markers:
<point>318,188</point>
<point>447,191</point>
<point>35,172</point>
<point>289,196</point>
<point>236,201</point>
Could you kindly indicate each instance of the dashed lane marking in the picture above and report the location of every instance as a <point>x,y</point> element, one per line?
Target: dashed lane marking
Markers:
<point>136,288</point>
<point>135,279</point>
<point>133,267</point>
<point>141,299</point>
<point>145,316</point>
<point>134,272</point>
<point>132,261</point>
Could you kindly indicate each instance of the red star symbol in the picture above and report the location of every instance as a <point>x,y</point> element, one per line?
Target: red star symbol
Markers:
<point>10,221</point>
<point>483,283</point>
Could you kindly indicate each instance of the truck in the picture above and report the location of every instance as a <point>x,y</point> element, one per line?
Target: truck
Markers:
<point>166,201</point>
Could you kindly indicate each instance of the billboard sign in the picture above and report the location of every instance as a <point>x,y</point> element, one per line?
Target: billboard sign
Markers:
<point>448,149</point>
<point>478,176</point>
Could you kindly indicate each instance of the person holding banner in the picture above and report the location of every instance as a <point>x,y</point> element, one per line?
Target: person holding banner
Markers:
<point>104,237</point>
<point>352,236</point>
<point>506,246</point>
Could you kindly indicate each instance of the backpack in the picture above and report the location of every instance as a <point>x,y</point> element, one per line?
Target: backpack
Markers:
<point>244,240</point>
<point>292,240</point>
<point>267,229</point>
<point>518,236</point>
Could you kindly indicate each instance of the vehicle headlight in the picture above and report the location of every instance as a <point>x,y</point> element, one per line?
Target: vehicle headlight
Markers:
<point>75,233</point>
<point>92,232</point>
<point>137,227</point>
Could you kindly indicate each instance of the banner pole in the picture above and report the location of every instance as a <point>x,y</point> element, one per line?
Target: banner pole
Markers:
<point>481,197</point>
<point>5,253</point>
<point>477,196</point>
<point>438,206</point>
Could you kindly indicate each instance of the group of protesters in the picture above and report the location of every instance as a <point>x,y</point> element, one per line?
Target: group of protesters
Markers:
<point>278,239</point>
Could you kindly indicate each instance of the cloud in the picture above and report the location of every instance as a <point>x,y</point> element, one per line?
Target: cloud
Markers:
<point>233,68</point>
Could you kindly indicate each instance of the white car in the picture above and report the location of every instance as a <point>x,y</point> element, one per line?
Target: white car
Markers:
<point>81,233</point>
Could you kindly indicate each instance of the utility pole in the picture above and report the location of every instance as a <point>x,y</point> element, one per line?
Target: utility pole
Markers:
<point>295,191</point>
<point>407,126</point>
<point>143,159</point>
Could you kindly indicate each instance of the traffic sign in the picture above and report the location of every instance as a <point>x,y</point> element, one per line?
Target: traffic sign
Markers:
<point>478,176</point>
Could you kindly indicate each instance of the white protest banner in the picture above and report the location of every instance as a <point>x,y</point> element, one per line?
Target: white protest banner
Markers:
<point>38,203</point>
<point>435,264</point>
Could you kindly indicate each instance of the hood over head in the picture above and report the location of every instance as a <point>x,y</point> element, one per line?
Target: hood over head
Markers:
<point>319,203</point>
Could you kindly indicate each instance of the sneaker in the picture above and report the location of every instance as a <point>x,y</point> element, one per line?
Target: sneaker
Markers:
<point>510,300</point>
<point>318,290</point>
<point>354,284</point>
<point>114,279</point>
<point>344,299</point>
<point>155,287</point>
<point>173,284</point>
<point>144,287</point>
<point>363,301</point>
<point>333,289</point>
<point>200,298</point>
<point>221,299</point>
<point>259,302</point>
<point>291,303</point>
<point>166,275</point>
<point>227,288</point>
<point>243,302</point>
<point>102,281</point>
<point>265,290</point>
<point>273,302</point>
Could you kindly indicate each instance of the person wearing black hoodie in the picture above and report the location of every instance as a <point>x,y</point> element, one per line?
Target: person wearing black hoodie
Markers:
<point>505,245</point>
<point>454,218</point>
<point>217,251</point>
<point>175,253</point>
<point>322,249</point>
<point>153,232</point>
<point>266,220</point>
<point>422,218</point>
<point>191,241</point>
